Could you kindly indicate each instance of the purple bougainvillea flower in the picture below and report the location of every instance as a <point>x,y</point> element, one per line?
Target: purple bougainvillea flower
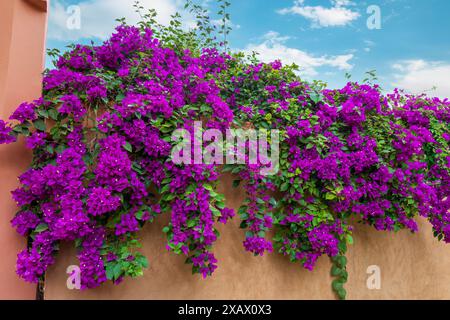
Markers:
<point>25,112</point>
<point>5,133</point>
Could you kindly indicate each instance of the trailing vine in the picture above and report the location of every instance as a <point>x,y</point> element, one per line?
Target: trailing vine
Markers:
<point>102,165</point>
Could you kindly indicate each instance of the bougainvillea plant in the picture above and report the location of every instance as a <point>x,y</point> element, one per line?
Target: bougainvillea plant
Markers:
<point>101,168</point>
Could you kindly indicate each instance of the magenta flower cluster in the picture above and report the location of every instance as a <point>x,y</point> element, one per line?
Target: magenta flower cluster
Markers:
<point>347,152</point>
<point>101,141</point>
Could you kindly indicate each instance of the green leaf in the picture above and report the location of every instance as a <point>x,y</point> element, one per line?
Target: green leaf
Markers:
<point>142,260</point>
<point>336,271</point>
<point>117,270</point>
<point>53,114</point>
<point>342,294</point>
<point>139,214</point>
<point>136,167</point>
<point>349,239</point>
<point>244,216</point>
<point>341,261</point>
<point>342,245</point>
<point>191,223</point>
<point>110,272</point>
<point>330,196</point>
<point>216,212</point>
<point>236,183</point>
<point>168,197</point>
<point>128,147</point>
<point>208,187</point>
<point>50,149</point>
<point>78,242</point>
<point>165,188</point>
<point>337,285</point>
<point>166,229</point>
<point>316,98</point>
<point>43,113</point>
<point>41,227</point>
<point>40,125</point>
<point>220,205</point>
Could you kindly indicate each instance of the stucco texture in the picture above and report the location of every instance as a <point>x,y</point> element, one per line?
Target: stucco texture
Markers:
<point>413,266</point>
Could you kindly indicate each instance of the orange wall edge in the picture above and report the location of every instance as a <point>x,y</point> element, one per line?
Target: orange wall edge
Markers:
<point>22,53</point>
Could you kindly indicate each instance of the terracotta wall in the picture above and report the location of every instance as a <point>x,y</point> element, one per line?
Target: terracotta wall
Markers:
<point>22,38</point>
<point>412,267</point>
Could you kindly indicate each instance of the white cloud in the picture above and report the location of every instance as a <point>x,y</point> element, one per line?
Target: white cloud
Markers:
<point>98,16</point>
<point>418,76</point>
<point>273,47</point>
<point>337,15</point>
<point>369,44</point>
<point>342,3</point>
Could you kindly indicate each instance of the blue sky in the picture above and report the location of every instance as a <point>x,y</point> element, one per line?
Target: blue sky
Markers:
<point>327,38</point>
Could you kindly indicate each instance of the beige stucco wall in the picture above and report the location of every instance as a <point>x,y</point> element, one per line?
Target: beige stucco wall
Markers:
<point>22,38</point>
<point>412,267</point>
